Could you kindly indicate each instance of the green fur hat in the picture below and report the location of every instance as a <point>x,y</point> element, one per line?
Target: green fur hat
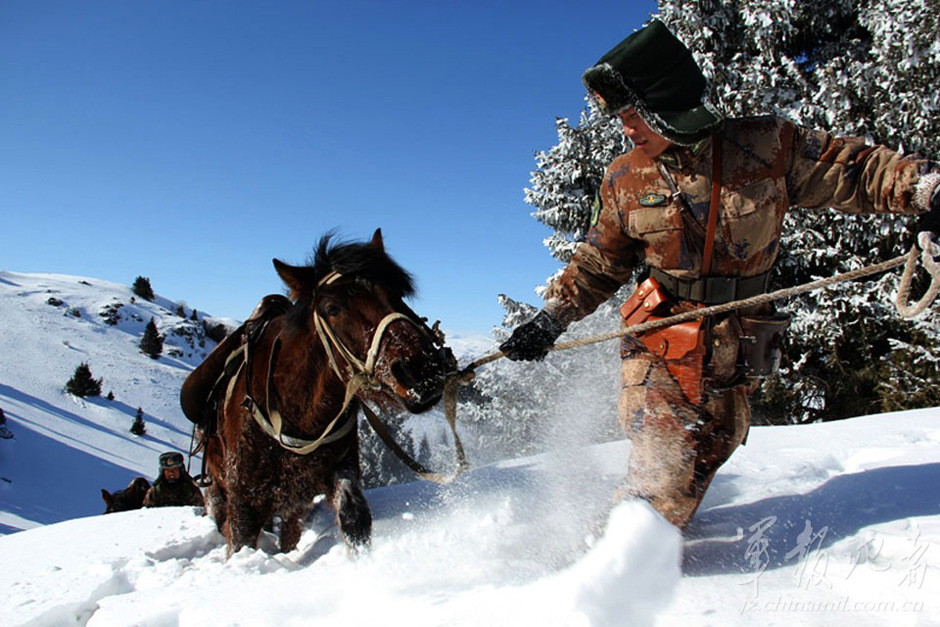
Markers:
<point>654,72</point>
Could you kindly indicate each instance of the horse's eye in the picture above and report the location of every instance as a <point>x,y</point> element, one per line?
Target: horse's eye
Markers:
<point>331,309</point>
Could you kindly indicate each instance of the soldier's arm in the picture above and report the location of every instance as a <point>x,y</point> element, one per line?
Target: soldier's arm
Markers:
<point>599,267</point>
<point>847,174</point>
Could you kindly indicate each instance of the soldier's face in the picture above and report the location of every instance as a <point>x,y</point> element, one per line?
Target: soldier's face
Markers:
<point>642,136</point>
<point>171,474</point>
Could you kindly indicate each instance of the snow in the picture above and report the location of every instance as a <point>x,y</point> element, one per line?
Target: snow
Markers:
<point>823,524</point>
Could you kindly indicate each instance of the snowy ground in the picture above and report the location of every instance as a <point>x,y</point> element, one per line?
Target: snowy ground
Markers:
<point>829,524</point>
<point>832,524</point>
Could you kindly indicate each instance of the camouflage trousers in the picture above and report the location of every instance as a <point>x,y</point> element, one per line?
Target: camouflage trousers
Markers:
<point>678,446</point>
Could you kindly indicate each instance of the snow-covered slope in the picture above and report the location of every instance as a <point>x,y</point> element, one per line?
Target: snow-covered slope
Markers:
<point>67,448</point>
<point>828,524</point>
<point>832,524</point>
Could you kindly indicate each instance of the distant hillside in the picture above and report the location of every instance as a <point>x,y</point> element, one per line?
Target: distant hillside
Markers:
<point>52,323</point>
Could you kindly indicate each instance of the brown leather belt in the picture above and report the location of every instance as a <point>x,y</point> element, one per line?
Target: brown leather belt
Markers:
<point>713,290</point>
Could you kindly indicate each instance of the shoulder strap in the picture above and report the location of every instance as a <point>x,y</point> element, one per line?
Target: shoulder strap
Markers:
<point>687,216</point>
<point>713,207</point>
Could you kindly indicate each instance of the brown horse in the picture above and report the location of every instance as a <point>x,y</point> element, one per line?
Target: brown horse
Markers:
<point>131,497</point>
<point>287,427</point>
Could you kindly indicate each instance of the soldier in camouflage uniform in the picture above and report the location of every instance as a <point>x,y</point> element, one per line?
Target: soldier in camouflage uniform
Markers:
<point>655,204</point>
<point>174,486</point>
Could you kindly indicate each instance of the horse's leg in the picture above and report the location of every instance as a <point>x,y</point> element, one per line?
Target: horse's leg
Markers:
<point>217,504</point>
<point>291,529</point>
<point>353,515</point>
<point>244,525</point>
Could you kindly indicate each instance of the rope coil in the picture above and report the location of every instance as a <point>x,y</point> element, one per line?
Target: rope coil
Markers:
<point>930,251</point>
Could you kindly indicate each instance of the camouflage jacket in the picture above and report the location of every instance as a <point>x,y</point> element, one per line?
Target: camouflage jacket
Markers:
<point>768,164</point>
<point>165,493</point>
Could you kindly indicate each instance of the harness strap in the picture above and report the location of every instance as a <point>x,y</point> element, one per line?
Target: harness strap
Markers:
<point>417,467</point>
<point>272,422</point>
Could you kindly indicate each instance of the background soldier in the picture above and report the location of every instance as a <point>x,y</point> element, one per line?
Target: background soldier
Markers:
<point>174,486</point>
<point>700,200</point>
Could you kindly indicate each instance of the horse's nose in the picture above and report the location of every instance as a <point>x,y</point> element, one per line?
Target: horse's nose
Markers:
<point>423,383</point>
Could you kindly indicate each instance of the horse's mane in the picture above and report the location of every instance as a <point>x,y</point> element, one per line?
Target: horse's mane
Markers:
<point>362,261</point>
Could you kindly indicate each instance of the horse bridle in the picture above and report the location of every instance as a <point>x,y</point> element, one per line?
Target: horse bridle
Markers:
<point>355,366</point>
<point>360,374</point>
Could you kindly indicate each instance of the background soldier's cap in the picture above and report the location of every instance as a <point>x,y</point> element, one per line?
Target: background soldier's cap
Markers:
<point>171,460</point>
<point>652,71</point>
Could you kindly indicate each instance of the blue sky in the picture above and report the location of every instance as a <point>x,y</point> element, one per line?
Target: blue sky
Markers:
<point>193,141</point>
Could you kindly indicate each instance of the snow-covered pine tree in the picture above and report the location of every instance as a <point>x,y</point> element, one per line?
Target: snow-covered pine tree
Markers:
<point>525,403</point>
<point>151,344</point>
<point>380,466</point>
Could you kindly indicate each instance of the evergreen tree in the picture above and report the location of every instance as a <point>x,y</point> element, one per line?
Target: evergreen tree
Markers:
<point>83,383</point>
<point>151,344</point>
<point>568,179</point>
<point>142,288</point>
<point>138,427</point>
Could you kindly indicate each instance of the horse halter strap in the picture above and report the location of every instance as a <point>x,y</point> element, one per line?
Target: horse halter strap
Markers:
<point>328,338</point>
<point>355,366</point>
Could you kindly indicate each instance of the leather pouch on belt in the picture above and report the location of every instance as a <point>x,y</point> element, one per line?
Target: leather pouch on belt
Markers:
<point>682,345</point>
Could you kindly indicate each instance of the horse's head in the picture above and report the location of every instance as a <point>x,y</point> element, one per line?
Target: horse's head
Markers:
<point>131,497</point>
<point>352,298</point>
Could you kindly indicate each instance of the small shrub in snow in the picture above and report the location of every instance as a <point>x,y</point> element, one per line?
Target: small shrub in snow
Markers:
<point>139,427</point>
<point>111,313</point>
<point>83,383</point>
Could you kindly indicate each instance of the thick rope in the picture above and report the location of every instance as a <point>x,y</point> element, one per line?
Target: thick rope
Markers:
<point>930,251</point>
<point>928,259</point>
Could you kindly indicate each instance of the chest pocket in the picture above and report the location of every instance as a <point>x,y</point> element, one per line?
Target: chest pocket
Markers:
<point>661,229</point>
<point>751,217</point>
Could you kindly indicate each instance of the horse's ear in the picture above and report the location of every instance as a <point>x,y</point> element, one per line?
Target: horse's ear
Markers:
<point>106,496</point>
<point>377,240</point>
<point>291,275</point>
<point>299,279</point>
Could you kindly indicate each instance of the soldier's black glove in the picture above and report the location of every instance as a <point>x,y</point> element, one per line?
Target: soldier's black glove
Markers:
<point>531,341</point>
<point>930,221</point>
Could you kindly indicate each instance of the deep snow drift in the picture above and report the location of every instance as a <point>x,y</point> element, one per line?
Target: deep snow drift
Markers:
<point>829,524</point>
